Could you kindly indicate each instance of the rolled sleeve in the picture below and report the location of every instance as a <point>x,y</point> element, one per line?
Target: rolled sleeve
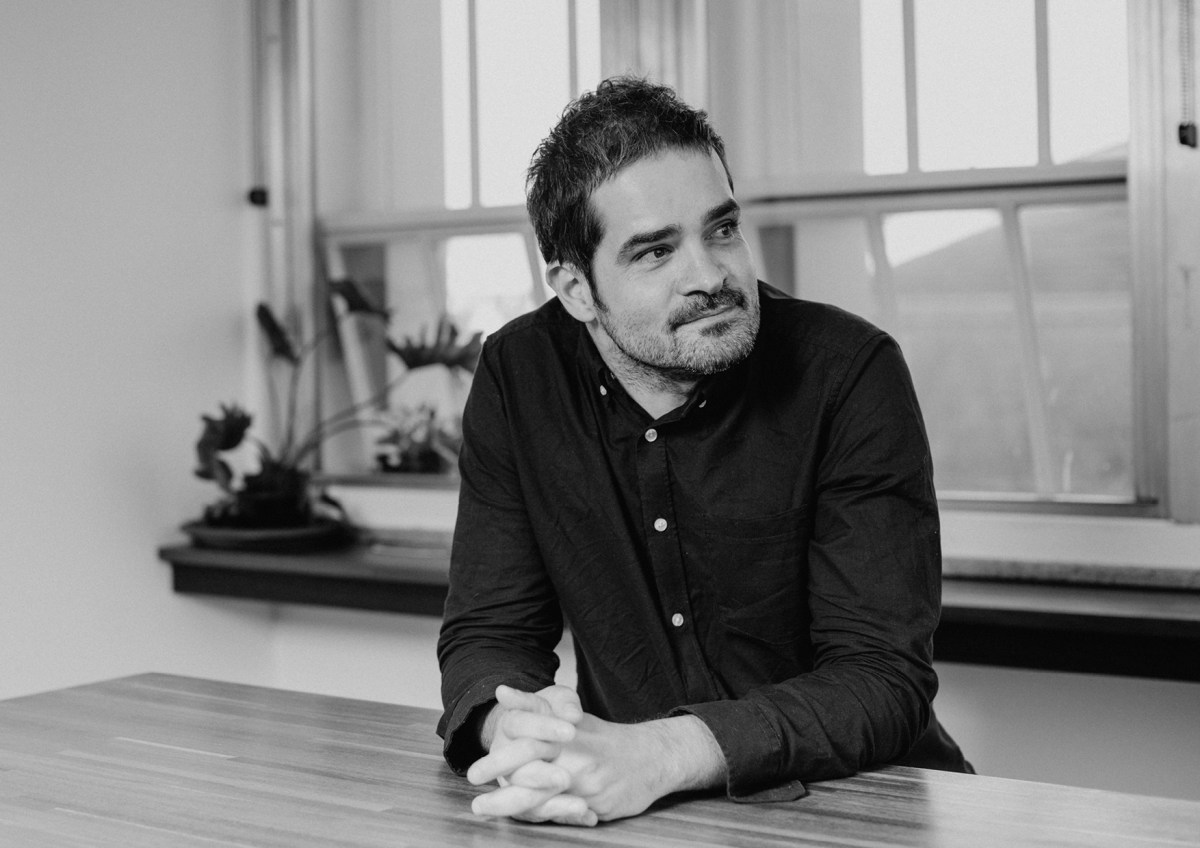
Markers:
<point>753,751</point>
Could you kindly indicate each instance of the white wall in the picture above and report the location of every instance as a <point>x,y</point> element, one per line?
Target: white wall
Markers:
<point>130,263</point>
<point>1119,733</point>
<point>127,252</point>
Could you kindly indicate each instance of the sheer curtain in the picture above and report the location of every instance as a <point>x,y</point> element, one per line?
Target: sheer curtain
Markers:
<point>664,40</point>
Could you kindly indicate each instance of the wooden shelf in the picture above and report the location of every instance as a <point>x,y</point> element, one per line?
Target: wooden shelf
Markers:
<point>1100,630</point>
<point>407,576</point>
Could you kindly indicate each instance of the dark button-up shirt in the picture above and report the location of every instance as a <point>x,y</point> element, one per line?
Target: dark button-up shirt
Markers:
<point>765,557</point>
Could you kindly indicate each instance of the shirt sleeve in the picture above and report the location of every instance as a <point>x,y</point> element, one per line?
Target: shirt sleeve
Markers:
<point>874,587</point>
<point>502,620</point>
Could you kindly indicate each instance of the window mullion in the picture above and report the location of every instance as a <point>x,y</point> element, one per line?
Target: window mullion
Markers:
<point>1148,39</point>
<point>572,49</point>
<point>912,129</point>
<point>1042,53</point>
<point>883,282</point>
<point>473,99</point>
<point>535,265</point>
<point>1031,356</point>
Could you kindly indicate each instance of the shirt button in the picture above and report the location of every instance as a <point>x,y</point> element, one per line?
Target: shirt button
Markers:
<point>703,404</point>
<point>677,619</point>
<point>603,391</point>
<point>651,435</point>
<point>660,524</point>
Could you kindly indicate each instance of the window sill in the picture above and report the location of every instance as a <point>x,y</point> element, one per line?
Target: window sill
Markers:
<point>1099,630</point>
<point>1076,549</point>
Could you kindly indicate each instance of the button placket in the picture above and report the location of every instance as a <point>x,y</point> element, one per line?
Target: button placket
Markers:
<point>667,558</point>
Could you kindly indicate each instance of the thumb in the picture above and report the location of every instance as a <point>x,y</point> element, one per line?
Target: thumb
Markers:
<point>564,701</point>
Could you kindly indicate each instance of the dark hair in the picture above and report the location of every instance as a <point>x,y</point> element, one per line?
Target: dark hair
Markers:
<point>625,119</point>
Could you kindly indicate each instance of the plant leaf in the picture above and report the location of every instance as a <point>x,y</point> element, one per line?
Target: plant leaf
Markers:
<point>443,350</point>
<point>356,298</point>
<point>278,338</point>
<point>220,434</point>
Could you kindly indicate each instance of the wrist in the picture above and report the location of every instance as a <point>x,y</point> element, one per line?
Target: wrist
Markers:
<point>688,756</point>
<point>487,727</point>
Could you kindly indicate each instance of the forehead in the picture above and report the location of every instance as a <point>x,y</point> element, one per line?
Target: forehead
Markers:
<point>673,188</point>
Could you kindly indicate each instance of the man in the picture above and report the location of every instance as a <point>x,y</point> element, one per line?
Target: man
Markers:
<point>726,492</point>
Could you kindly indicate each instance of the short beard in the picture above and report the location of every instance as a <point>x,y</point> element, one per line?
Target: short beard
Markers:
<point>689,365</point>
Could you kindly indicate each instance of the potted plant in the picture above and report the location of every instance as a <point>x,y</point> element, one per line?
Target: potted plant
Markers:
<point>424,416</point>
<point>423,406</point>
<point>274,504</point>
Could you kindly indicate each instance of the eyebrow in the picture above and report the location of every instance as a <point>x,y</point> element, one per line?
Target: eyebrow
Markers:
<point>729,207</point>
<point>638,240</point>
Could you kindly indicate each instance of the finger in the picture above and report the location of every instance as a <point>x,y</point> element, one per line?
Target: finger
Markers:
<point>517,699</point>
<point>564,701</point>
<point>518,724</point>
<point>541,775</point>
<point>562,809</point>
<point>510,801</point>
<point>504,760</point>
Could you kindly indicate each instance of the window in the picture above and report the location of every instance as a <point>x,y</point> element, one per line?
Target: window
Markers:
<point>958,173</point>
<point>974,205</point>
<point>474,257</point>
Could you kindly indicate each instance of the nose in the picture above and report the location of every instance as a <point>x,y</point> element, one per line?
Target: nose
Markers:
<point>705,275</point>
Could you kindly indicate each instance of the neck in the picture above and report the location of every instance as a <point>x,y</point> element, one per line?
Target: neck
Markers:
<point>656,390</point>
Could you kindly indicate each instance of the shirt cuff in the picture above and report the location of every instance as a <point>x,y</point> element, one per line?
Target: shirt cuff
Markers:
<point>752,748</point>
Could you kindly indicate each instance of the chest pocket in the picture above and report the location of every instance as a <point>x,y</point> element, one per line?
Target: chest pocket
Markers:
<point>755,572</point>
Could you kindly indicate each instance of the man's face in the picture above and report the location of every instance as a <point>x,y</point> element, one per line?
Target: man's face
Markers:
<point>675,287</point>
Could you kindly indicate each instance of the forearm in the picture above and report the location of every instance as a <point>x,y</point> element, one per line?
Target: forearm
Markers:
<point>692,760</point>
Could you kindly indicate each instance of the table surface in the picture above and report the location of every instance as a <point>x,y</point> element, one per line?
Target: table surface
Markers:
<point>158,760</point>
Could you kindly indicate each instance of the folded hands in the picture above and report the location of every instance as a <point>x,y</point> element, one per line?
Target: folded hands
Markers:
<point>554,762</point>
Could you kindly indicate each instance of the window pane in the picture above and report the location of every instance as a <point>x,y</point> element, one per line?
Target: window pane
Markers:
<point>833,265</point>
<point>976,84</point>
<point>523,81</point>
<point>1089,79</point>
<point>1079,265</point>
<point>885,142</point>
<point>957,324</point>
<point>488,280</point>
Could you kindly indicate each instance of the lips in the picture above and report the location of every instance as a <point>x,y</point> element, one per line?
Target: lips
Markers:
<point>709,314</point>
<point>709,306</point>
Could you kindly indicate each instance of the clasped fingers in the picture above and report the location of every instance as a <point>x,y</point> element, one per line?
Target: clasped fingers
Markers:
<point>562,809</point>
<point>504,760</point>
<point>518,724</point>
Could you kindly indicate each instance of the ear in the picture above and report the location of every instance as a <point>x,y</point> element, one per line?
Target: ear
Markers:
<point>573,291</point>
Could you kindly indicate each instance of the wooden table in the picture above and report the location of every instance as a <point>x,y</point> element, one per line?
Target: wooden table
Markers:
<point>157,760</point>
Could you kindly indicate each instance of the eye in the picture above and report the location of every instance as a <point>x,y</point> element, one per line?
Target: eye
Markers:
<point>727,229</point>
<point>659,251</point>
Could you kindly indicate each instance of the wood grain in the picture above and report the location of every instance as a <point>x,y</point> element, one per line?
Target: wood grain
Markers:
<point>158,760</point>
